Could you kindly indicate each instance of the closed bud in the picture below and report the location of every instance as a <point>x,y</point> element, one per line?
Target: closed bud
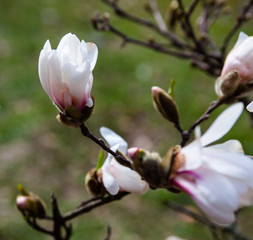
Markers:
<point>147,164</point>
<point>226,85</point>
<point>165,105</point>
<point>31,206</point>
<point>93,182</point>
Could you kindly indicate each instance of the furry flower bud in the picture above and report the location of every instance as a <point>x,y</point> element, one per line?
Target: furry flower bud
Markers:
<point>227,85</point>
<point>165,105</point>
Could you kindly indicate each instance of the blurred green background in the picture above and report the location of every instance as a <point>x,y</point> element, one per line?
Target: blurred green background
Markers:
<point>46,157</point>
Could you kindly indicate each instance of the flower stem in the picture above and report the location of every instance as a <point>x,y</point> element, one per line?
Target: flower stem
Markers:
<point>86,132</point>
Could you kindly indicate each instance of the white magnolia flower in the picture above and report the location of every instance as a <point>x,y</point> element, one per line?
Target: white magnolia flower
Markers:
<point>250,107</point>
<point>66,73</point>
<point>240,58</point>
<point>219,178</point>
<point>115,176</point>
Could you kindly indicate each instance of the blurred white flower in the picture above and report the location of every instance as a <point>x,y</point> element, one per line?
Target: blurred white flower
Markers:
<point>115,176</point>
<point>66,73</point>
<point>240,58</point>
<point>174,238</point>
<point>250,107</point>
<point>219,178</point>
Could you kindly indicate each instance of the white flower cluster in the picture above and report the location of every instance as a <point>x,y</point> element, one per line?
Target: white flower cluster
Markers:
<point>219,178</point>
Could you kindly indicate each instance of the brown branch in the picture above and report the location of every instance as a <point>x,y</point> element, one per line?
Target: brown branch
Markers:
<point>240,20</point>
<point>187,134</point>
<point>33,223</point>
<point>93,204</point>
<point>143,22</point>
<point>58,222</point>
<point>109,233</point>
<point>192,8</point>
<point>86,132</point>
<point>102,24</point>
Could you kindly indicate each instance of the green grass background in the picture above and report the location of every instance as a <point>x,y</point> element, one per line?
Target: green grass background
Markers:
<point>46,157</point>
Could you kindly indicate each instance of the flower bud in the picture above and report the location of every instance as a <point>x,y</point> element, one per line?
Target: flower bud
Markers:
<point>165,105</point>
<point>31,206</point>
<point>226,85</point>
<point>66,72</point>
<point>155,170</point>
<point>93,182</point>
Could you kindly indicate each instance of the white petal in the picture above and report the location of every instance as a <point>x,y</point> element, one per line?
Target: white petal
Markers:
<point>127,179</point>
<point>110,184</point>
<point>250,107</point>
<point>89,103</point>
<point>69,40</point>
<point>69,45</point>
<point>223,123</point>
<point>78,82</point>
<point>228,146</point>
<point>55,78</point>
<point>242,36</point>
<point>109,157</point>
<point>44,74</point>
<point>112,139</point>
<point>214,194</point>
<point>193,156</point>
<point>234,165</point>
<point>92,54</point>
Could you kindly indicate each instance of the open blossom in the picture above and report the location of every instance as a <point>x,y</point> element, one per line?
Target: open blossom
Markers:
<point>66,73</point>
<point>219,177</point>
<point>240,58</point>
<point>115,176</point>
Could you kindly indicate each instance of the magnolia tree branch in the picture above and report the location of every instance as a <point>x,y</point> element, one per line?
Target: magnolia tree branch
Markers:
<point>103,24</point>
<point>59,221</point>
<point>86,132</point>
<point>241,19</point>
<point>201,50</point>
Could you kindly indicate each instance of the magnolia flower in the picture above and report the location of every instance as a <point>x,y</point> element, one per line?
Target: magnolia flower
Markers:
<point>240,58</point>
<point>219,178</point>
<point>115,176</point>
<point>66,73</point>
<point>250,107</point>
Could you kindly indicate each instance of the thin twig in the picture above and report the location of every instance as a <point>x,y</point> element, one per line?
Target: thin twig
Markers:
<point>186,134</point>
<point>33,223</point>
<point>143,22</point>
<point>93,204</point>
<point>86,132</point>
<point>192,8</point>
<point>109,233</point>
<point>240,20</point>
<point>157,16</point>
